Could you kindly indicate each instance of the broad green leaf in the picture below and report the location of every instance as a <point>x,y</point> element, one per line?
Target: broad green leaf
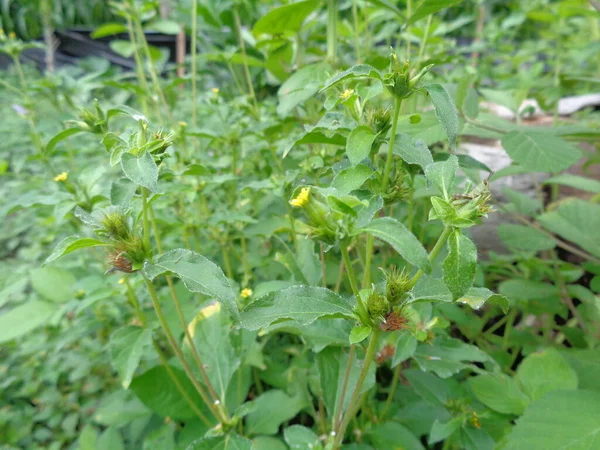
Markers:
<point>108,29</point>
<point>299,437</point>
<point>111,439</point>
<point>586,364</point>
<point>358,145</point>
<point>141,170</point>
<point>428,386</point>
<point>158,392</point>
<point>71,244</point>
<point>299,87</point>
<point>226,442</point>
<point>575,181</point>
<point>412,151</point>
<point>165,26</point>
<point>430,289</point>
<point>446,356</point>
<point>285,19</point>
<point>272,409</point>
<point>527,289</point>
<point>401,239</point>
<point>64,134</point>
<point>440,430</point>
<point>359,71</point>
<point>460,264</point>
<point>391,435</point>
<point>332,364</point>
<point>122,48</point>
<point>88,438</point>
<point>476,297</point>
<point>522,203</point>
<point>359,333</point>
<point>472,438</point>
<point>444,110</point>
<point>121,192</point>
<point>499,392</point>
<point>198,275</point>
<point>447,213</point>
<point>429,7</point>
<point>304,304</point>
<point>539,152</point>
<point>521,237</point>
<point>268,443</point>
<point>25,318</point>
<point>127,346</point>
<point>566,420</point>
<point>389,5</point>
<point>442,175</point>
<point>210,331</point>
<point>405,348</point>
<point>351,178</point>
<point>544,372</point>
<point>53,283</point>
<point>577,221</point>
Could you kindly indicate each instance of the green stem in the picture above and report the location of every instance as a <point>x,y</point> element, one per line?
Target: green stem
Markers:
<point>425,37</point>
<point>434,252</point>
<point>408,14</point>
<point>390,397</point>
<point>350,269</point>
<point>242,44</point>
<point>332,31</point>
<point>354,400</point>
<point>193,51</point>
<point>368,256</point>
<point>138,64</point>
<point>390,154</point>
<point>340,406</point>
<point>145,217</point>
<point>356,36</point>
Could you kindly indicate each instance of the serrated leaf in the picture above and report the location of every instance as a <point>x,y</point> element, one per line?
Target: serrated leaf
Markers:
<point>412,151</point>
<point>351,178</point>
<point>304,304</point>
<point>198,275</point>
<point>358,144</point>
<point>445,110</point>
<point>575,181</point>
<point>500,393</point>
<point>442,175</point>
<point>476,297</point>
<point>460,264</point>
<point>430,289</point>
<point>358,71</point>
<point>401,239</point>
<point>539,152</point>
<point>127,346</point>
<point>521,237</point>
<point>359,333</point>
<point>71,244</point>
<point>272,409</point>
<point>142,170</point>
<point>286,19</point>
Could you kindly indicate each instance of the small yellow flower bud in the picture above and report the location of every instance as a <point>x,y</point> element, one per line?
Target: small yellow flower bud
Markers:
<point>183,124</point>
<point>301,199</point>
<point>121,280</point>
<point>246,292</point>
<point>61,176</point>
<point>12,35</point>
<point>215,90</point>
<point>346,94</point>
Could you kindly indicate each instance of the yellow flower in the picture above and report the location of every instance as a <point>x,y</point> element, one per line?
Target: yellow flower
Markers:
<point>215,91</point>
<point>183,124</point>
<point>61,176</point>
<point>12,35</point>
<point>121,280</point>
<point>301,199</point>
<point>246,292</point>
<point>347,93</point>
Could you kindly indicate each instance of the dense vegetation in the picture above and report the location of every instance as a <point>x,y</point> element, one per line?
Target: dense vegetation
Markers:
<point>276,249</point>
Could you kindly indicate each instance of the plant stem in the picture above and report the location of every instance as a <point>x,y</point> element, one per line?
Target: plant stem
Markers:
<point>425,37</point>
<point>242,44</point>
<point>390,154</point>
<point>354,400</point>
<point>193,51</point>
<point>356,37</point>
<point>408,14</point>
<point>390,397</point>
<point>340,406</point>
<point>350,269</point>
<point>146,226</point>
<point>332,31</point>
<point>138,64</point>
<point>434,252</point>
<point>368,256</point>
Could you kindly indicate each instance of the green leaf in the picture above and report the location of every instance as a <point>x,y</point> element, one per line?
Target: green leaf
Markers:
<point>64,134</point>
<point>540,152</point>
<point>544,372</point>
<point>460,264</point>
<point>440,431</point>
<point>405,348</point>
<point>566,420</point>
<point>122,48</point>
<point>285,19</point>
<point>521,237</point>
<point>442,175</point>
<point>111,439</point>
<point>53,283</point>
<point>210,331</point>
<point>25,318</point>
<point>332,364</point>
<point>358,145</point>
<point>272,409</point>
<point>401,239</point>
<point>127,346</point>
<point>499,392</point>
<point>392,435</point>
<point>165,26</point>
<point>226,442</point>
<point>428,386</point>
<point>446,356</point>
<point>359,333</point>
<point>126,111</point>
<point>299,437</point>
<point>447,213</point>
<point>71,244</point>
<point>586,364</point>
<point>198,275</point>
<point>575,181</point>
<point>88,438</point>
<point>299,87</point>
<point>522,203</point>
<point>108,29</point>
<point>445,110</point>
<point>351,178</point>
<point>429,7</point>
<point>158,392</point>
<point>527,289</point>
<point>412,151</point>
<point>577,221</point>
<point>476,297</point>
<point>430,289</point>
<point>141,170</point>
<point>359,71</point>
<point>386,4</point>
<point>304,304</point>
